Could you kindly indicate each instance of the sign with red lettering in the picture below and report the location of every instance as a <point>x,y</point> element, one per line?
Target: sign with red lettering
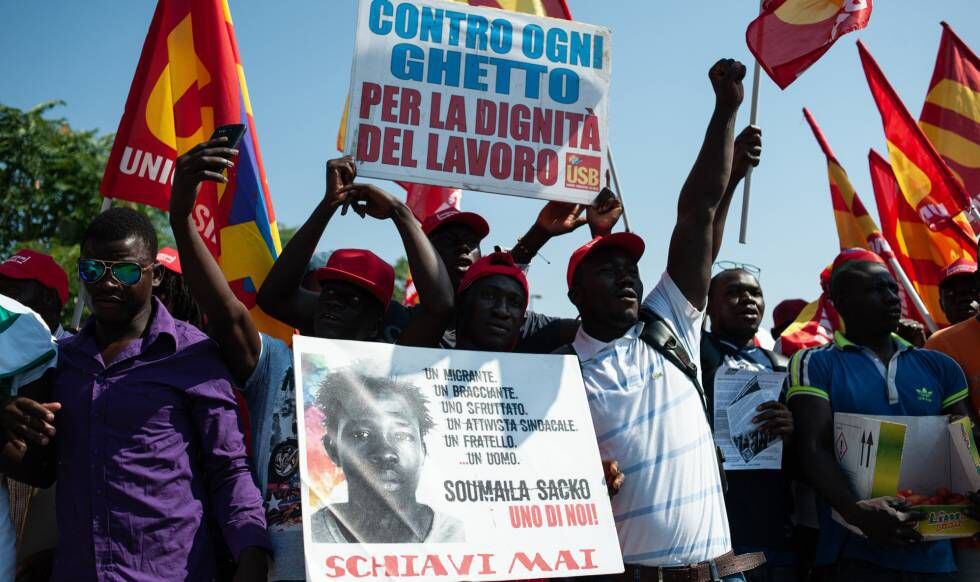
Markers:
<point>429,464</point>
<point>478,98</point>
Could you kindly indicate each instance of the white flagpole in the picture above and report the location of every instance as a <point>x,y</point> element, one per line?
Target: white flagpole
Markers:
<point>903,279</point>
<point>619,191</point>
<point>753,115</point>
<point>76,316</point>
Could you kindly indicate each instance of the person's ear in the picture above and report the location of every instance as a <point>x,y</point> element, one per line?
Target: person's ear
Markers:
<point>573,296</point>
<point>157,274</point>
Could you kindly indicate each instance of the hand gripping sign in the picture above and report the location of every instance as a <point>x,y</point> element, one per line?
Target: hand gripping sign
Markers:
<point>430,464</point>
<point>477,98</point>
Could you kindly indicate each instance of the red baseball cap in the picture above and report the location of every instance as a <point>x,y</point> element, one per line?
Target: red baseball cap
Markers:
<point>32,265</point>
<point>362,268</point>
<point>627,241</point>
<point>498,263</point>
<point>169,258</point>
<point>451,215</point>
<point>959,267</point>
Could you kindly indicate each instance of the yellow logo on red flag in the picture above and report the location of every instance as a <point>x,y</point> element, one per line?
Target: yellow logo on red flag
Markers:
<point>190,80</point>
<point>923,252</point>
<point>924,178</point>
<point>790,35</point>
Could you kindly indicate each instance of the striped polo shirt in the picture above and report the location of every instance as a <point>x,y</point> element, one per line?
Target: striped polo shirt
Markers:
<point>648,416</point>
<point>915,382</point>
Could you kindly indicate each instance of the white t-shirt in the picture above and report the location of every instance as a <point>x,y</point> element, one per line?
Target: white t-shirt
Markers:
<point>648,416</point>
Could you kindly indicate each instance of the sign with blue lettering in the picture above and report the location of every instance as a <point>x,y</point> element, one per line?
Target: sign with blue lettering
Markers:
<point>478,98</point>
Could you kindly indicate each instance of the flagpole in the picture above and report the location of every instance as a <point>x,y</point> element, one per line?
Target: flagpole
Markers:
<point>619,191</point>
<point>76,316</point>
<point>913,295</point>
<point>753,115</point>
<point>743,230</point>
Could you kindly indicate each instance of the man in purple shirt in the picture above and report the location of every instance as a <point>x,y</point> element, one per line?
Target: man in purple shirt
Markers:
<point>147,430</point>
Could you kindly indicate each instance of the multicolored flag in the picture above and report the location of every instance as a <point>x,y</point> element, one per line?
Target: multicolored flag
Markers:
<point>950,117</point>
<point>190,80</point>
<point>815,325</point>
<point>790,35</point>
<point>926,181</point>
<point>922,251</point>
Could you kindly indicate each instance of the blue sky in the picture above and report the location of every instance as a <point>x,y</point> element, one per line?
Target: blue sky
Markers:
<point>297,58</point>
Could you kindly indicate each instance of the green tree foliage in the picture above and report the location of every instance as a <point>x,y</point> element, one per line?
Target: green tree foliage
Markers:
<point>49,177</point>
<point>49,186</point>
<point>401,275</point>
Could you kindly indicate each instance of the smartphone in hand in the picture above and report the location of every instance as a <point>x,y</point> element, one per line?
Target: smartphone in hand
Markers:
<point>233,132</point>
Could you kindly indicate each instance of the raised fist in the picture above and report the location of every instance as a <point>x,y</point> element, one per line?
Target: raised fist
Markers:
<point>726,78</point>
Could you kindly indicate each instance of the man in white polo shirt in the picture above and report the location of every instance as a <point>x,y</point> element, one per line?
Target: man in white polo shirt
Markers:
<point>648,412</point>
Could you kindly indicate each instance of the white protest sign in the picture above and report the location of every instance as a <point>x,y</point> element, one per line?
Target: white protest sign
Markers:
<point>478,98</point>
<point>448,465</point>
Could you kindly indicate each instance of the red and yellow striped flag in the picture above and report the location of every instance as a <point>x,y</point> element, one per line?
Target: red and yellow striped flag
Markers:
<point>950,117</point>
<point>922,252</point>
<point>855,227</point>
<point>926,181</point>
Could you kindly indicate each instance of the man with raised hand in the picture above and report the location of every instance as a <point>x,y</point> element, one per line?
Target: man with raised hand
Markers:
<point>355,289</point>
<point>868,370</point>
<point>649,412</point>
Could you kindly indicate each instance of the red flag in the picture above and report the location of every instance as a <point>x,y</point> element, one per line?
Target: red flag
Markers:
<point>190,80</point>
<point>925,179</point>
<point>790,35</point>
<point>922,252</point>
<point>951,114</point>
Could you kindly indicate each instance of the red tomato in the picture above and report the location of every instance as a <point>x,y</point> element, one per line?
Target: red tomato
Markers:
<point>916,499</point>
<point>934,500</point>
<point>905,493</point>
<point>943,492</point>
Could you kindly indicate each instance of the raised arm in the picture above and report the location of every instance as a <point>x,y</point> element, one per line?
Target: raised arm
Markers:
<point>436,294</point>
<point>814,422</point>
<point>229,323</point>
<point>748,149</point>
<point>555,219</point>
<point>282,295</point>
<point>689,257</point>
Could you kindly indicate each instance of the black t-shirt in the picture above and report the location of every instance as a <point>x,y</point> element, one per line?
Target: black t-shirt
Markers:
<point>540,334</point>
<point>759,502</point>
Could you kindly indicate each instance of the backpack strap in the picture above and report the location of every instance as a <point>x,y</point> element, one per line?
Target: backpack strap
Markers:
<point>659,336</point>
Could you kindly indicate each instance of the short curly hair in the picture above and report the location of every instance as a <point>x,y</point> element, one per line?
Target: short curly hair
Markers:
<point>339,390</point>
<point>121,223</point>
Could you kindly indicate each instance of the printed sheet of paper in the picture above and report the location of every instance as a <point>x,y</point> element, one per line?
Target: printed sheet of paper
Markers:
<point>738,392</point>
<point>429,464</point>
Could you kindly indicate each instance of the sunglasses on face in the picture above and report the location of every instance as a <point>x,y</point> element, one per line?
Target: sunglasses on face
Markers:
<point>126,272</point>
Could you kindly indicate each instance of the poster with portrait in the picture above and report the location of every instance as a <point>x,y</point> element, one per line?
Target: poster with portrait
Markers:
<point>448,465</point>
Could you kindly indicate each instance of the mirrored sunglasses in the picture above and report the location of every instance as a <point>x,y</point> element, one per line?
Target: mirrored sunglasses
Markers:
<point>126,272</point>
